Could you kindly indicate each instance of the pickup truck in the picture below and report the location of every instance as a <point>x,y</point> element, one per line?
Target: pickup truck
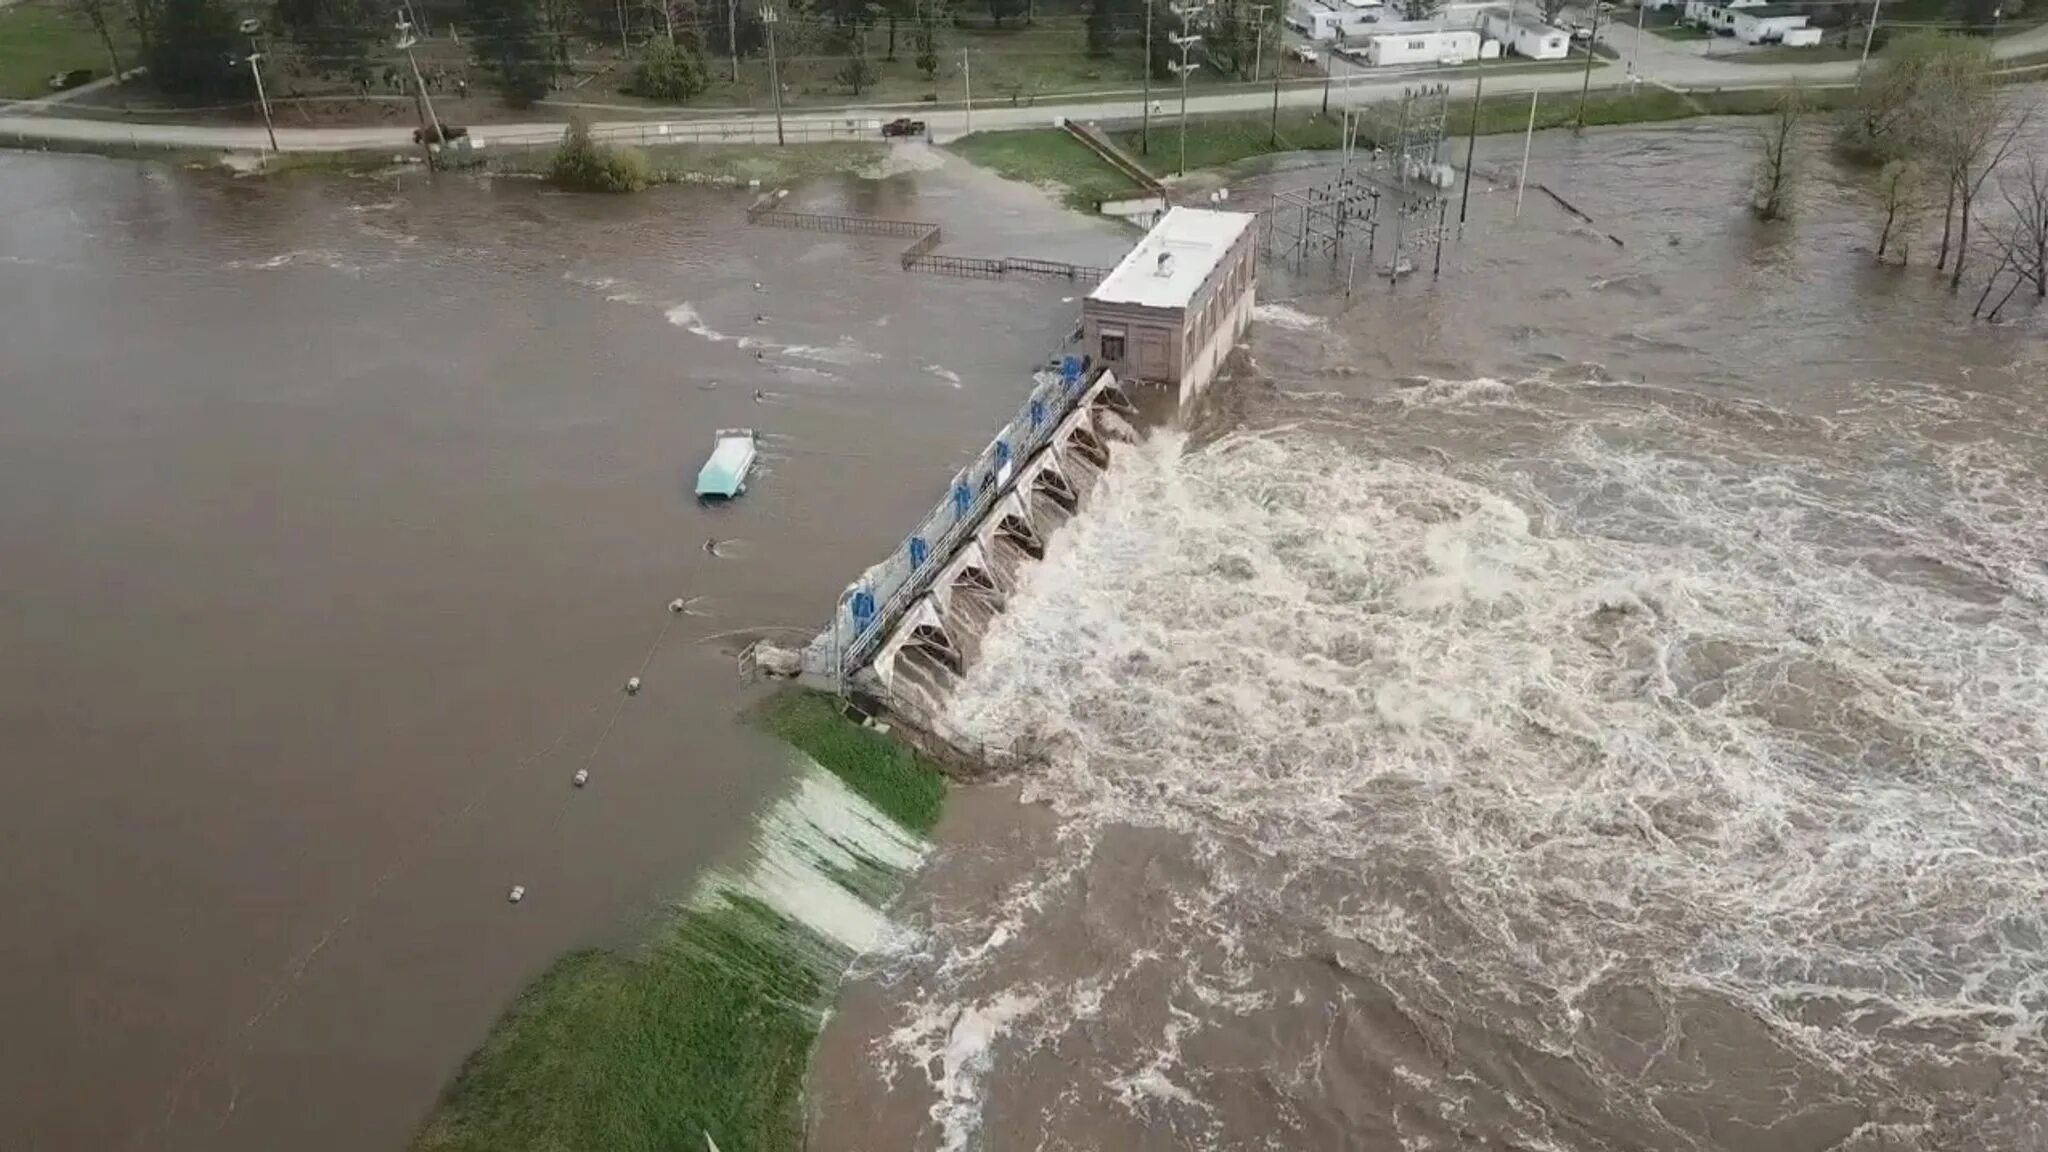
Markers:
<point>903,126</point>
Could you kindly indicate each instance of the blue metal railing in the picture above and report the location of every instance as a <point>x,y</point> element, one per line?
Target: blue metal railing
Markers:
<point>870,607</point>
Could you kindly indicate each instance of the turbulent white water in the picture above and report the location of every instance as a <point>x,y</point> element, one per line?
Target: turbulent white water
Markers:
<point>803,848</point>
<point>1549,763</point>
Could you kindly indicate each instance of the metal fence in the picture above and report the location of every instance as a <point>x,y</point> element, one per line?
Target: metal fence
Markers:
<point>655,133</point>
<point>869,607</point>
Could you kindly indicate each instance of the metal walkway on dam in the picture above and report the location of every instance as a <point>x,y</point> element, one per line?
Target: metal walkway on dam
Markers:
<point>921,611</point>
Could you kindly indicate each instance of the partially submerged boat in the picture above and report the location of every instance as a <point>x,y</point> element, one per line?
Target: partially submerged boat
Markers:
<point>724,476</point>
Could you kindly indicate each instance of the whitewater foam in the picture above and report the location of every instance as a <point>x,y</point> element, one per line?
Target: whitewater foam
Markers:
<point>1672,700</point>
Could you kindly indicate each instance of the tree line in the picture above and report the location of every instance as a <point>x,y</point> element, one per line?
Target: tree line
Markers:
<point>1940,132</point>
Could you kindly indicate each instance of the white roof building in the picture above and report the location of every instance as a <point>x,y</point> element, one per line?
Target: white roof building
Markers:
<point>1170,264</point>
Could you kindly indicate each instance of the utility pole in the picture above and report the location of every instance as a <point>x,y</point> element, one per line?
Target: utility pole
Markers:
<point>262,99</point>
<point>1145,133</point>
<point>1186,44</point>
<point>768,19</point>
<point>1259,45</point>
<point>1282,67</point>
<point>1641,8</point>
<point>967,83</point>
<point>1528,138</point>
<point>430,127</point>
<point>1869,34</point>
<point>732,35</point>
<point>624,48</point>
<point>1472,137</point>
<point>1586,83</point>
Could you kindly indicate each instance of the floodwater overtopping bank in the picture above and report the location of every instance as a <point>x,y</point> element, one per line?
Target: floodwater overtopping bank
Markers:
<point>706,1028</point>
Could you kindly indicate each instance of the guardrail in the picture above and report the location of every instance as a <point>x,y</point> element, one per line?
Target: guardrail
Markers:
<point>870,607</point>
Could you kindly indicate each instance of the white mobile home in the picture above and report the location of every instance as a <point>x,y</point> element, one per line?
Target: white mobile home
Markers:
<point>1715,13</point>
<point>1326,22</point>
<point>1765,23</point>
<point>1525,35</point>
<point>1420,44</point>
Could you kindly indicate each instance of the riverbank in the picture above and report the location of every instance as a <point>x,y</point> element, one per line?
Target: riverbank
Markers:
<point>707,1027</point>
<point>1056,161</point>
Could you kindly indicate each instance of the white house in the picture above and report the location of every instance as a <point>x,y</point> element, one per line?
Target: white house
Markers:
<point>1420,44</point>
<point>1525,35</point>
<point>1320,21</point>
<point>1764,23</point>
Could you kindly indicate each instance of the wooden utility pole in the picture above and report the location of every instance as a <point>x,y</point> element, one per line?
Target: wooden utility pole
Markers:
<point>1586,83</point>
<point>967,81</point>
<point>1145,133</point>
<point>768,19</point>
<point>430,127</point>
<point>732,35</point>
<point>1277,70</point>
<point>1472,137</point>
<point>1259,45</point>
<point>1186,43</point>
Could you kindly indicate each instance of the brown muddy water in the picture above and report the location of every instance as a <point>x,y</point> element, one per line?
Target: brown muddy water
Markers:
<point>333,515</point>
<point>1597,700</point>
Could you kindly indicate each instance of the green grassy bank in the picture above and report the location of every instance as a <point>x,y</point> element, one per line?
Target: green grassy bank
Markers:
<point>1049,157</point>
<point>1219,141</point>
<point>706,1027</point>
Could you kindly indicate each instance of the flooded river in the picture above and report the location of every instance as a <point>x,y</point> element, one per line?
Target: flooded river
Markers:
<point>1591,701</point>
<point>333,515</point>
<point>1596,700</point>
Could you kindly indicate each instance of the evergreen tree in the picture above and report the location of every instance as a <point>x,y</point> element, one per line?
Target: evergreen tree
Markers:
<point>335,37</point>
<point>196,49</point>
<point>506,41</point>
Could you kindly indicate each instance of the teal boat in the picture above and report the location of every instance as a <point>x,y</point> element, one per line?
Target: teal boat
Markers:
<point>724,476</point>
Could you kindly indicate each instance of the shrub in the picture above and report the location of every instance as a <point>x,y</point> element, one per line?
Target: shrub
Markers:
<point>668,72</point>
<point>584,165</point>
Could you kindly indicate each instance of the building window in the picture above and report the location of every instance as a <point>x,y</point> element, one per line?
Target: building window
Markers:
<point>1416,44</point>
<point>1113,345</point>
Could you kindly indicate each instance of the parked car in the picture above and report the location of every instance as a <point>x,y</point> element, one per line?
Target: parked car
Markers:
<point>448,132</point>
<point>1303,53</point>
<point>903,126</point>
<point>64,81</point>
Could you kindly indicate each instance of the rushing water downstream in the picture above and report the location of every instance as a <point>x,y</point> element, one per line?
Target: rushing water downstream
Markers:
<point>1599,701</point>
<point>1596,701</point>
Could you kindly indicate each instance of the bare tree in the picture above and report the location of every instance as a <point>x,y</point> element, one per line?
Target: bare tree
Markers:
<point>1552,10</point>
<point>2024,237</point>
<point>1969,130</point>
<point>95,13</point>
<point>1901,192</point>
<point>1776,161</point>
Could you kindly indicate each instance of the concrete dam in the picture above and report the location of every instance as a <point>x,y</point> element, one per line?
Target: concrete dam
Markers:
<point>1154,334</point>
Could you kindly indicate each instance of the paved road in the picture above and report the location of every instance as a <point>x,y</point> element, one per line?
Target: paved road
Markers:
<point>1659,61</point>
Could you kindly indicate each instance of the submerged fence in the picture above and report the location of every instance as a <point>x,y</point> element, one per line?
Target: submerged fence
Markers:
<point>870,606</point>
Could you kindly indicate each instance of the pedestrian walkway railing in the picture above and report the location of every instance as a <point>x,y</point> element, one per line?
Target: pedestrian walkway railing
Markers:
<point>872,605</point>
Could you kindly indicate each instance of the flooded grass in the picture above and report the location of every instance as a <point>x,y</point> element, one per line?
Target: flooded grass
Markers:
<point>1049,158</point>
<point>692,163</point>
<point>707,1028</point>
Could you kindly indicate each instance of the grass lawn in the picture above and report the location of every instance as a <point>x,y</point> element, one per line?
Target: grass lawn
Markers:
<point>1221,140</point>
<point>1048,156</point>
<point>707,1028</point>
<point>38,38</point>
